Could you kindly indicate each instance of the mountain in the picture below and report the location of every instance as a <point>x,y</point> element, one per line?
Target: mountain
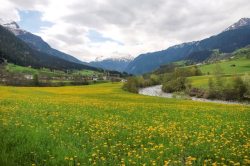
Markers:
<point>37,43</point>
<point>241,23</point>
<point>14,50</point>
<point>226,42</point>
<point>117,64</point>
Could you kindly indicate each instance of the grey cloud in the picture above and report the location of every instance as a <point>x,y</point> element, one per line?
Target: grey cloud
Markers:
<point>72,39</point>
<point>159,18</point>
<point>148,22</point>
<point>29,4</point>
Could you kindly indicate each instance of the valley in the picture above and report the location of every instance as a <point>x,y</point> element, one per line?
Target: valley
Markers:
<point>124,83</point>
<point>102,124</point>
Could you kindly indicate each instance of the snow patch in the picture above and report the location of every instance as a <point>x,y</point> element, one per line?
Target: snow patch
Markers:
<point>12,26</point>
<point>242,22</point>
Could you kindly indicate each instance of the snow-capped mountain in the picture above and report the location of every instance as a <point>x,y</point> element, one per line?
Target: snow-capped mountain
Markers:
<point>242,22</point>
<point>36,42</point>
<point>122,59</point>
<point>185,44</point>
<point>235,37</point>
<point>14,50</point>
<point>117,63</point>
<point>13,27</point>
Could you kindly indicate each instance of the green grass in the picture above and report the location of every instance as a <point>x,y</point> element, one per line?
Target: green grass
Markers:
<point>202,81</point>
<point>28,70</point>
<point>180,63</point>
<point>104,125</point>
<point>86,72</point>
<point>199,81</point>
<point>20,69</point>
<point>242,66</point>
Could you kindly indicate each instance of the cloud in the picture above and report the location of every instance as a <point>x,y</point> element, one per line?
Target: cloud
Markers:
<point>141,26</point>
<point>96,37</point>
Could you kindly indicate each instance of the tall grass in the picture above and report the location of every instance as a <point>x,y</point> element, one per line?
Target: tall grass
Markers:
<point>104,125</point>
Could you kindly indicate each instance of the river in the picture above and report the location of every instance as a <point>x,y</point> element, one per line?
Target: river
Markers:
<point>157,91</point>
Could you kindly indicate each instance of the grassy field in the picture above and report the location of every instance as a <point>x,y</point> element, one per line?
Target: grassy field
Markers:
<point>242,65</point>
<point>103,125</point>
<point>202,81</point>
<point>28,70</point>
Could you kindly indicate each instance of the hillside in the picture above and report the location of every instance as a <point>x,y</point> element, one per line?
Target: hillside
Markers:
<point>16,51</point>
<point>226,42</point>
<point>238,64</point>
<point>37,43</point>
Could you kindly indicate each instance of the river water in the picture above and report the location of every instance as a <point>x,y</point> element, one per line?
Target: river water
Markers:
<point>157,91</point>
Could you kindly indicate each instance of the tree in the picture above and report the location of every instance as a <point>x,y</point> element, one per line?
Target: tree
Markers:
<point>35,79</point>
<point>239,87</point>
<point>175,85</point>
<point>218,72</point>
<point>195,71</point>
<point>131,85</point>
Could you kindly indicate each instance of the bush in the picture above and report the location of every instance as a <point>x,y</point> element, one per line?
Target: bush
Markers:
<point>234,91</point>
<point>196,92</point>
<point>239,87</point>
<point>154,79</point>
<point>246,80</point>
<point>229,94</point>
<point>35,80</point>
<point>132,85</point>
<point>175,85</point>
<point>187,72</point>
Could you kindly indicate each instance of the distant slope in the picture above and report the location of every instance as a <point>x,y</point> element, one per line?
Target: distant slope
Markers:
<point>238,66</point>
<point>37,43</point>
<point>241,23</point>
<point>239,63</point>
<point>117,64</point>
<point>226,42</point>
<point>16,51</point>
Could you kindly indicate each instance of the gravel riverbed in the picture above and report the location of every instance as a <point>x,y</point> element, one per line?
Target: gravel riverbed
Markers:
<point>157,91</point>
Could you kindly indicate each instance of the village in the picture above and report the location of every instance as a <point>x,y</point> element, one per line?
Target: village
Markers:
<point>45,77</point>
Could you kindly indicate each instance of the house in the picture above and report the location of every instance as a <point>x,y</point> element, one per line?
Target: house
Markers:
<point>123,80</point>
<point>95,78</point>
<point>28,76</point>
<point>105,78</point>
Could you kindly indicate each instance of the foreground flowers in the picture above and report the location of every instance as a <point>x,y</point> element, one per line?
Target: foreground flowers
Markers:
<point>103,125</point>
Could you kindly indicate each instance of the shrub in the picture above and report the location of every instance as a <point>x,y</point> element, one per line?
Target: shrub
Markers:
<point>234,91</point>
<point>35,80</point>
<point>132,85</point>
<point>196,92</point>
<point>175,85</point>
<point>154,79</point>
<point>229,94</point>
<point>246,80</point>
<point>239,87</point>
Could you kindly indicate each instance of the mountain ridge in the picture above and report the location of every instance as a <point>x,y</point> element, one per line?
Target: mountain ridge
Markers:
<point>226,41</point>
<point>241,23</point>
<point>117,64</point>
<point>16,51</point>
<point>37,43</point>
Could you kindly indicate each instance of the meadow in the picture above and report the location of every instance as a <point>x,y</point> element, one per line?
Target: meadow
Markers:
<point>229,68</point>
<point>234,66</point>
<point>104,125</point>
<point>44,71</point>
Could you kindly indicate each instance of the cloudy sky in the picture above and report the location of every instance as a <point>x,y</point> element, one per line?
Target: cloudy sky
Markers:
<point>90,29</point>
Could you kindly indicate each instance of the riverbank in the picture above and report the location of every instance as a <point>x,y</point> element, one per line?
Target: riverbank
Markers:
<point>157,91</point>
